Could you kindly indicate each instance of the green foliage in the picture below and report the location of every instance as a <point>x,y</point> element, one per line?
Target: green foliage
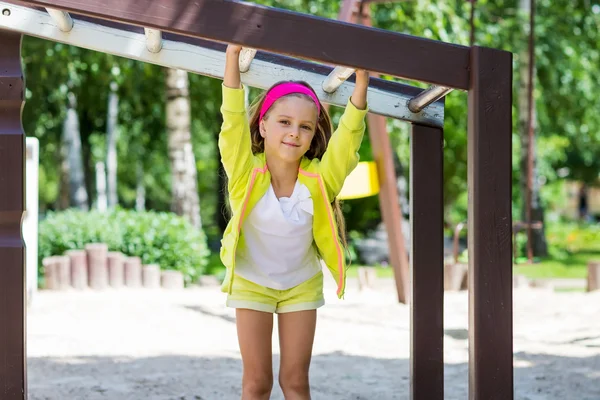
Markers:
<point>569,237</point>
<point>566,87</point>
<point>156,237</point>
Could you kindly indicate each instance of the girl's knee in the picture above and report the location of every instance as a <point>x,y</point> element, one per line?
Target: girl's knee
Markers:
<point>294,384</point>
<point>257,386</point>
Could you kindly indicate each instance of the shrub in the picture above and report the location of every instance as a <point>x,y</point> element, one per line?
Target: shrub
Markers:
<point>156,237</point>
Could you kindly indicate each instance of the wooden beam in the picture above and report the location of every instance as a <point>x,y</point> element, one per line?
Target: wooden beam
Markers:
<point>286,32</point>
<point>62,19</point>
<point>208,58</point>
<point>13,361</point>
<point>427,264</point>
<point>434,93</point>
<point>335,78</point>
<point>245,59</point>
<point>490,225</point>
<point>153,40</point>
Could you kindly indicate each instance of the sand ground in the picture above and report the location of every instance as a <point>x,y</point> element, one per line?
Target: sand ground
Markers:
<point>181,345</point>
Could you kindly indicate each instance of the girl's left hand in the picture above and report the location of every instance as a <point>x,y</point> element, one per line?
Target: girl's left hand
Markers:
<point>359,95</point>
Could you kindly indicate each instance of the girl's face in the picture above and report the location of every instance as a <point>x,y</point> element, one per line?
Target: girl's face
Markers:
<point>289,128</point>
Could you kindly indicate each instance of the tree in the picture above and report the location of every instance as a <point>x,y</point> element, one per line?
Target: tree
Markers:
<point>184,183</point>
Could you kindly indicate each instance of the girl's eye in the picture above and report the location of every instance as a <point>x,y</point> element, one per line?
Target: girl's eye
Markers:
<point>306,127</point>
<point>284,122</point>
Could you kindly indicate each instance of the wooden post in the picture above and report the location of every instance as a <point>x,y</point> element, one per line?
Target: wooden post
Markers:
<point>490,225</point>
<point>172,280</point>
<point>427,264</point>
<point>63,272</point>
<point>116,271</point>
<point>13,361</point>
<point>151,276</point>
<point>79,269</point>
<point>50,274</point>
<point>133,272</point>
<point>593,278</point>
<point>97,256</point>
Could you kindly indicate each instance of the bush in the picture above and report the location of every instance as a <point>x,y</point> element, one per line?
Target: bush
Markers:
<point>156,237</point>
<point>572,237</point>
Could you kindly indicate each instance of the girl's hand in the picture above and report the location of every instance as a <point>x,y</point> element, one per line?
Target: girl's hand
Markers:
<point>231,77</point>
<point>233,49</point>
<point>359,95</point>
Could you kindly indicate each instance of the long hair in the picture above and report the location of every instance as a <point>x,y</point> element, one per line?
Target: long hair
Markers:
<point>317,146</point>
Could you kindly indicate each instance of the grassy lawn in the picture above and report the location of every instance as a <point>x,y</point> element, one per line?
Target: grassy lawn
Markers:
<point>574,266</point>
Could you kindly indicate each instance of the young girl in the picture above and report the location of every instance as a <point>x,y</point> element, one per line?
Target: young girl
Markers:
<point>284,170</point>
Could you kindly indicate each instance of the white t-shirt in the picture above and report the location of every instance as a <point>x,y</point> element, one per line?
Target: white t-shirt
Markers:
<point>279,235</point>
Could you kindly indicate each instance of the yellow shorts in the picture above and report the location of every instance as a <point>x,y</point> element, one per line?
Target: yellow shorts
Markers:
<point>306,296</point>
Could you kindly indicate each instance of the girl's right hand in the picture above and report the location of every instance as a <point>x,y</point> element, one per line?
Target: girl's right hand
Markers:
<point>231,77</point>
<point>233,49</point>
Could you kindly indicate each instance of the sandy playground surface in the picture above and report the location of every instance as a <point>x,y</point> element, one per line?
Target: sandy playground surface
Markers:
<point>160,345</point>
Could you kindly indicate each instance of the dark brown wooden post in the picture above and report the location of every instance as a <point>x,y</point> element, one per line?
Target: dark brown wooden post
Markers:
<point>427,264</point>
<point>490,226</point>
<point>13,361</point>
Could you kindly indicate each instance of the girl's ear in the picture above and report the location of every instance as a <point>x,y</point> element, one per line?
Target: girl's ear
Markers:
<point>261,128</point>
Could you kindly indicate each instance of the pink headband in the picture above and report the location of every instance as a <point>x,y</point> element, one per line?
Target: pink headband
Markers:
<point>282,90</point>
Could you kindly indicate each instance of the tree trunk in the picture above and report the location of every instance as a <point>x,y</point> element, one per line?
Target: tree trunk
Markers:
<point>78,196</point>
<point>539,245</point>
<point>111,146</point>
<point>140,192</point>
<point>101,197</point>
<point>186,201</point>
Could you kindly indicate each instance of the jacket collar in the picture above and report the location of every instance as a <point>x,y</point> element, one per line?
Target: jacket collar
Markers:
<point>304,163</point>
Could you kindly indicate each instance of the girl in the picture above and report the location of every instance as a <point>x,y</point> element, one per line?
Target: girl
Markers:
<point>284,170</point>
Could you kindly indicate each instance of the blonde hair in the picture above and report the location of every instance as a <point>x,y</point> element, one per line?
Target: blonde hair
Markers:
<point>317,147</point>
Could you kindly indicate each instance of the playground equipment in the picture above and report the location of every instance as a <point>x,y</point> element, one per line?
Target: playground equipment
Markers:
<point>183,35</point>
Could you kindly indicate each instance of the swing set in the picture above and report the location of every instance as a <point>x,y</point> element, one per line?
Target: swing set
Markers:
<point>192,35</point>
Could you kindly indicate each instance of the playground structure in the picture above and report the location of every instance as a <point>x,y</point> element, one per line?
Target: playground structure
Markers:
<point>186,35</point>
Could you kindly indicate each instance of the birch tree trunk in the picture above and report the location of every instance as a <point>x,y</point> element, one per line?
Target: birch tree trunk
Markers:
<point>72,156</point>
<point>539,245</point>
<point>111,146</point>
<point>184,185</point>
<point>140,191</point>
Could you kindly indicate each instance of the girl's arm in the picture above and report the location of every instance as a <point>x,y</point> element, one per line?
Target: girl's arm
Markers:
<point>341,156</point>
<point>231,77</point>
<point>234,139</point>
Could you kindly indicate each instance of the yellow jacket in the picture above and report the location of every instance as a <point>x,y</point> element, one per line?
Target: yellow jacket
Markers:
<point>249,179</point>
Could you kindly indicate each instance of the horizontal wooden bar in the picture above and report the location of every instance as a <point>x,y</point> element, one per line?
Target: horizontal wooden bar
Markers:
<point>335,78</point>
<point>207,58</point>
<point>424,99</point>
<point>286,32</point>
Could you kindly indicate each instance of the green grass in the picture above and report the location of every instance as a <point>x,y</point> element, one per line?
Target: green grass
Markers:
<point>573,266</point>
<point>382,272</point>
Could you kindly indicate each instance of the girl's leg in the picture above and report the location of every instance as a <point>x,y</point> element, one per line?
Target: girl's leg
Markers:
<point>255,331</point>
<point>296,337</point>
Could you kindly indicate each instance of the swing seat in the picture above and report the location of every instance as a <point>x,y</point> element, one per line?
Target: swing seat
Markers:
<point>362,182</point>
